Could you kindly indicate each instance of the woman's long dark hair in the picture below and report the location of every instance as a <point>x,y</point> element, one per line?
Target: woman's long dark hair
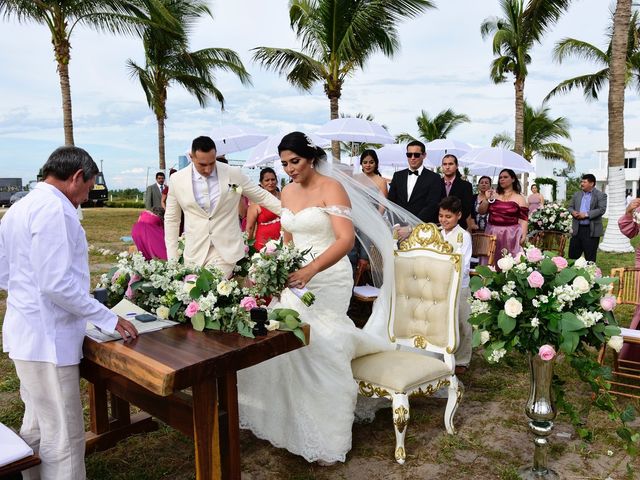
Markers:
<point>301,145</point>
<point>374,155</point>
<point>516,183</point>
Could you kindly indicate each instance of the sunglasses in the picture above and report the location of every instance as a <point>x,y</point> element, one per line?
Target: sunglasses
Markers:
<point>414,154</point>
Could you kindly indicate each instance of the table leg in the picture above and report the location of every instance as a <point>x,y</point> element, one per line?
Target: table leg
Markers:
<point>98,408</point>
<point>230,432</point>
<point>206,435</point>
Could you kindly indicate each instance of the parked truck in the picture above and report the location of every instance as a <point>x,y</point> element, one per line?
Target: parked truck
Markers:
<point>9,186</point>
<point>97,195</point>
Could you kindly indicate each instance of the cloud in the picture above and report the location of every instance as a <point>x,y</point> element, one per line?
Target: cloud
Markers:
<point>134,170</point>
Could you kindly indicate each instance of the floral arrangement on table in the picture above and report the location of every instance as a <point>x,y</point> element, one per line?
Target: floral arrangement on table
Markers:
<point>203,296</point>
<point>546,306</point>
<point>550,216</point>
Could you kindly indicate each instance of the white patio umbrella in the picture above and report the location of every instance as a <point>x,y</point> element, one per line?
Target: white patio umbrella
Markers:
<point>436,149</point>
<point>266,152</point>
<point>490,160</point>
<point>230,139</point>
<point>351,129</point>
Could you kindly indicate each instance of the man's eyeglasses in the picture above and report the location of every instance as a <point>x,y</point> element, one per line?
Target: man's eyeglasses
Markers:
<point>414,154</point>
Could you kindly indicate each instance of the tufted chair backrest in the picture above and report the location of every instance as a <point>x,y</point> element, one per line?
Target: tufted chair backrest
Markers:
<point>427,283</point>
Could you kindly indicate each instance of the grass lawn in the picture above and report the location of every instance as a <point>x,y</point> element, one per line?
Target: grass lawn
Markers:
<point>491,443</point>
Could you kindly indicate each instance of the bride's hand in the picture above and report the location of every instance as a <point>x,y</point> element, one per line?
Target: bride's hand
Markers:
<point>300,278</point>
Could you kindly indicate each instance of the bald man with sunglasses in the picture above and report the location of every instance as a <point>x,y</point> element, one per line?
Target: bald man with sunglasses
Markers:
<point>417,189</point>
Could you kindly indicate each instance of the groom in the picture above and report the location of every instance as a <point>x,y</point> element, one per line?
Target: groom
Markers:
<point>208,193</point>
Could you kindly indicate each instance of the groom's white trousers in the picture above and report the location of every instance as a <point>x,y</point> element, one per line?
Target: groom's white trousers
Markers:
<point>53,424</point>
<point>214,258</point>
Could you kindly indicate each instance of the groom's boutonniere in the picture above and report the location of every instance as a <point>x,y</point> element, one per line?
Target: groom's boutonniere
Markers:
<point>234,187</point>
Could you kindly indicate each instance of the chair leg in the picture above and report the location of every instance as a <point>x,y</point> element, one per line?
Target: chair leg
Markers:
<point>455,394</point>
<point>400,409</point>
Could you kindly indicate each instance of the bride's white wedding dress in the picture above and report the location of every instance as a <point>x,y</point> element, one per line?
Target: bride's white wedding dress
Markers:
<point>304,400</point>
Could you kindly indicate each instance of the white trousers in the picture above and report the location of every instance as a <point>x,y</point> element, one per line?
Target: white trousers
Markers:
<point>463,354</point>
<point>53,424</point>
<point>214,258</point>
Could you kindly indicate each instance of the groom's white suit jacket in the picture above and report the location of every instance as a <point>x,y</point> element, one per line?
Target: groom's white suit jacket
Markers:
<point>221,227</point>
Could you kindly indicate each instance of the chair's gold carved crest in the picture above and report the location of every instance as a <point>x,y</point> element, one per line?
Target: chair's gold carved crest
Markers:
<point>426,235</point>
<point>369,390</point>
<point>419,342</point>
<point>401,418</point>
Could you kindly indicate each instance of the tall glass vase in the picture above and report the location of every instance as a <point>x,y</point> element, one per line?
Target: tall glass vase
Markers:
<point>541,410</point>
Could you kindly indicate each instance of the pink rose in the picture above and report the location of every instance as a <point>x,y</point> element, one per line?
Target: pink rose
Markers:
<point>483,294</point>
<point>535,279</point>
<point>248,303</point>
<point>192,309</point>
<point>540,222</point>
<point>132,280</point>
<point>116,276</point>
<point>534,254</point>
<point>560,262</point>
<point>598,272</point>
<point>270,248</point>
<point>192,277</point>
<point>246,249</point>
<point>608,303</point>
<point>547,352</point>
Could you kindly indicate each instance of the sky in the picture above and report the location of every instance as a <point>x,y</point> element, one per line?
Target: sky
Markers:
<point>443,63</point>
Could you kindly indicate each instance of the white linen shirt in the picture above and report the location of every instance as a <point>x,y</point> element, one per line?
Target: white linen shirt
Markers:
<point>44,265</point>
<point>412,180</point>
<point>206,190</point>
<point>464,249</point>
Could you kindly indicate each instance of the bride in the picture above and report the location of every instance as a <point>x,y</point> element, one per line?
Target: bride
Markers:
<point>304,401</point>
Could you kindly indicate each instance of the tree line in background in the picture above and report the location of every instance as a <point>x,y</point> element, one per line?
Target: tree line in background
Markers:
<point>337,37</point>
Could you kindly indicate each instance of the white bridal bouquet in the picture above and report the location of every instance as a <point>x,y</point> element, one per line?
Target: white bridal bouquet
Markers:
<point>551,216</point>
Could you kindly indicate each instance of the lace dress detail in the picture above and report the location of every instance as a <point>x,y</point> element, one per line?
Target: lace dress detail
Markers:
<point>337,210</point>
<point>304,400</point>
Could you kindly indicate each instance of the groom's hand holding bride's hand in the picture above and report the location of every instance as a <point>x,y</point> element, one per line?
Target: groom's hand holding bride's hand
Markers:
<point>300,278</point>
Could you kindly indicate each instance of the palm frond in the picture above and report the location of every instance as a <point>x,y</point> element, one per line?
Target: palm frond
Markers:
<point>570,47</point>
<point>590,84</point>
<point>302,71</point>
<point>504,140</point>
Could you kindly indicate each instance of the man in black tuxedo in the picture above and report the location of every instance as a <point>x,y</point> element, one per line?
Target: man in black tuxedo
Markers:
<point>416,188</point>
<point>454,185</point>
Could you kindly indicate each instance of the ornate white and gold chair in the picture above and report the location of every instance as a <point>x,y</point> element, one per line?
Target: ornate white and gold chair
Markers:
<point>423,316</point>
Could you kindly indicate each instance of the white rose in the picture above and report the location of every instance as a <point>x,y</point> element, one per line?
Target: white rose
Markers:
<point>616,342</point>
<point>224,288</point>
<point>506,263</point>
<point>580,263</point>
<point>581,285</point>
<point>162,312</point>
<point>513,307</point>
<point>273,325</point>
<point>535,321</point>
<point>484,337</point>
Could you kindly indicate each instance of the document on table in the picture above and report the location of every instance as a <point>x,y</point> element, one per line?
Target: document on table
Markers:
<point>128,310</point>
<point>12,447</point>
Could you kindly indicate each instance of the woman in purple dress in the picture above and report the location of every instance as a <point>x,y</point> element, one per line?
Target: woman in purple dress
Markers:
<point>508,214</point>
<point>630,228</point>
<point>536,200</point>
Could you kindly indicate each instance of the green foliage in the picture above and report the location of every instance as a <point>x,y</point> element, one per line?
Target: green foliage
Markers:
<point>573,186</point>
<point>289,321</point>
<point>124,204</point>
<point>549,181</point>
<point>440,126</point>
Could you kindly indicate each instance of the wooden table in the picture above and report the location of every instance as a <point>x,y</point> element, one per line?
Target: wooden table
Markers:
<point>151,372</point>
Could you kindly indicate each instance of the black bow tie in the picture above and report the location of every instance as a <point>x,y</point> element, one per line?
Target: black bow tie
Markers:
<point>414,172</point>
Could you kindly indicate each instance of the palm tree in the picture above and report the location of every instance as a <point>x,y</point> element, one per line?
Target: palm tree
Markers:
<point>168,61</point>
<point>614,241</point>
<point>440,126</point>
<point>338,37</point>
<point>514,36</point>
<point>592,83</point>
<point>540,136</point>
<point>62,16</point>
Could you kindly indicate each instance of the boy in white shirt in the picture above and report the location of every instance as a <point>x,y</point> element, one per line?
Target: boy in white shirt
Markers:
<point>449,215</point>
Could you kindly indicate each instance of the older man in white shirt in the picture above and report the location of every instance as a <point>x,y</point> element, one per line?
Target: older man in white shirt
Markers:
<point>44,267</point>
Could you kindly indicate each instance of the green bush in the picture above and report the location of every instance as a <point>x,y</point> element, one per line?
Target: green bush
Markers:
<point>124,204</point>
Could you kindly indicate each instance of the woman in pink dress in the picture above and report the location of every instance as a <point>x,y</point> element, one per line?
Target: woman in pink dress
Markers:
<point>536,200</point>
<point>148,234</point>
<point>630,228</point>
<point>508,214</point>
<point>263,224</point>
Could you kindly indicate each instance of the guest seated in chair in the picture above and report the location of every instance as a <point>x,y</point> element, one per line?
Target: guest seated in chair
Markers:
<point>148,234</point>
<point>449,216</point>
<point>630,228</point>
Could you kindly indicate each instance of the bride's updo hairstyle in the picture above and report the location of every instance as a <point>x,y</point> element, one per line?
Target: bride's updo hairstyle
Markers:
<point>303,146</point>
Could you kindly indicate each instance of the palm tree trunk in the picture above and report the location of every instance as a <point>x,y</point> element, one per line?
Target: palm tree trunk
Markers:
<point>62,52</point>
<point>519,130</point>
<point>161,153</point>
<point>614,241</point>
<point>334,112</point>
